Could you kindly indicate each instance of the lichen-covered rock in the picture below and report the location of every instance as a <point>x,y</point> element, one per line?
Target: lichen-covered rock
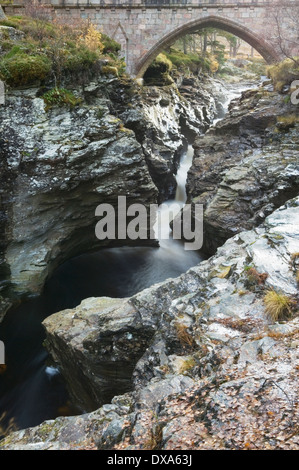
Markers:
<point>245,166</point>
<point>97,346</point>
<point>217,372</point>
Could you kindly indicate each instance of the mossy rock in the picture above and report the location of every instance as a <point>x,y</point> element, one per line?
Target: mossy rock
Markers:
<point>158,72</point>
<point>23,69</point>
<point>284,123</point>
<point>283,74</point>
<point>109,70</point>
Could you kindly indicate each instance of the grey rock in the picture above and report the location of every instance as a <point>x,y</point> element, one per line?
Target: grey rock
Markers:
<point>2,14</point>
<point>7,32</point>
<point>57,166</point>
<point>104,351</point>
<point>244,167</point>
<point>238,362</point>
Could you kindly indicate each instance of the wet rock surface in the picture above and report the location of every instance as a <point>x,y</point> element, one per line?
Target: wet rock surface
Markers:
<point>245,166</point>
<point>194,362</point>
<point>113,336</point>
<point>57,165</point>
<point>215,371</point>
<point>165,119</point>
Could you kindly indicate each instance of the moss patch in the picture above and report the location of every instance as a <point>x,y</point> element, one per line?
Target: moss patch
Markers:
<point>55,54</point>
<point>20,69</point>
<point>60,97</point>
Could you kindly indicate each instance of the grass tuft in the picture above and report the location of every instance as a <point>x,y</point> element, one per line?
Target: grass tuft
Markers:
<point>278,306</point>
<point>183,335</point>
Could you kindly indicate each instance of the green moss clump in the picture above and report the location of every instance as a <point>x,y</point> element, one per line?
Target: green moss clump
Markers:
<point>158,72</point>
<point>110,45</point>
<point>60,97</point>
<point>283,74</point>
<point>59,53</point>
<point>109,70</point>
<point>78,58</point>
<point>193,61</point>
<point>22,69</point>
<point>11,22</point>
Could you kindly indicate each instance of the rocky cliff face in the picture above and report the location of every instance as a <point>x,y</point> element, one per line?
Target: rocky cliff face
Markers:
<point>195,362</point>
<point>210,368</point>
<point>165,120</point>
<point>58,164</point>
<point>56,167</point>
<point>245,166</point>
<point>2,14</point>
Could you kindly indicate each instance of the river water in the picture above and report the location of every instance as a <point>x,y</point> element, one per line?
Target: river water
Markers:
<point>31,391</point>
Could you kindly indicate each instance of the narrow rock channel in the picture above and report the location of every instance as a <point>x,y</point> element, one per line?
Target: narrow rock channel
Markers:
<point>31,390</point>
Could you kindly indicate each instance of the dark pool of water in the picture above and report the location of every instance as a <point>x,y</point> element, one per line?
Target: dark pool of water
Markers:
<point>30,390</point>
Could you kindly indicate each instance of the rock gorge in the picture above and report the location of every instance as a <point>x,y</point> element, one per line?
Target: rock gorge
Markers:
<point>209,369</point>
<point>193,362</point>
<point>246,166</point>
<point>58,164</point>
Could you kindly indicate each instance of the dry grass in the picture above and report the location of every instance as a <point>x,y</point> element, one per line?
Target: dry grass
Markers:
<point>287,121</point>
<point>6,428</point>
<point>187,365</point>
<point>278,306</point>
<point>256,277</point>
<point>184,337</point>
<point>155,439</point>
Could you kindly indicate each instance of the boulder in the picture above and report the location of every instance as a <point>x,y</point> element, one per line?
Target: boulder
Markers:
<point>97,346</point>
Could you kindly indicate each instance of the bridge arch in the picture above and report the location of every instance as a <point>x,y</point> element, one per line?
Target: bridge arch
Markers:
<point>253,39</point>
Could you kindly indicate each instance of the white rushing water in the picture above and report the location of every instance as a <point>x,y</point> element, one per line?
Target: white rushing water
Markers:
<point>172,251</point>
<point>169,209</point>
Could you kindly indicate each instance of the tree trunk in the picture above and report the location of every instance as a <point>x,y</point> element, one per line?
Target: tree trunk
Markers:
<point>205,43</point>
<point>185,45</point>
<point>231,50</point>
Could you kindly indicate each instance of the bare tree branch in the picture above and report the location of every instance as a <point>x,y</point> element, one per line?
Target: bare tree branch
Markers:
<point>284,21</point>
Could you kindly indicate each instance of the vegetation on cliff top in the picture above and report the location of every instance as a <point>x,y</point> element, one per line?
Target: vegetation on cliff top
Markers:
<point>283,74</point>
<point>52,53</point>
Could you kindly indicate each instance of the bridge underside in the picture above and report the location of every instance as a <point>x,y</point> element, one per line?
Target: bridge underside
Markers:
<point>253,39</point>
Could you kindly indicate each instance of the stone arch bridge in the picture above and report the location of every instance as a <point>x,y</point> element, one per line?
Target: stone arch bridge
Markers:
<point>145,27</point>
